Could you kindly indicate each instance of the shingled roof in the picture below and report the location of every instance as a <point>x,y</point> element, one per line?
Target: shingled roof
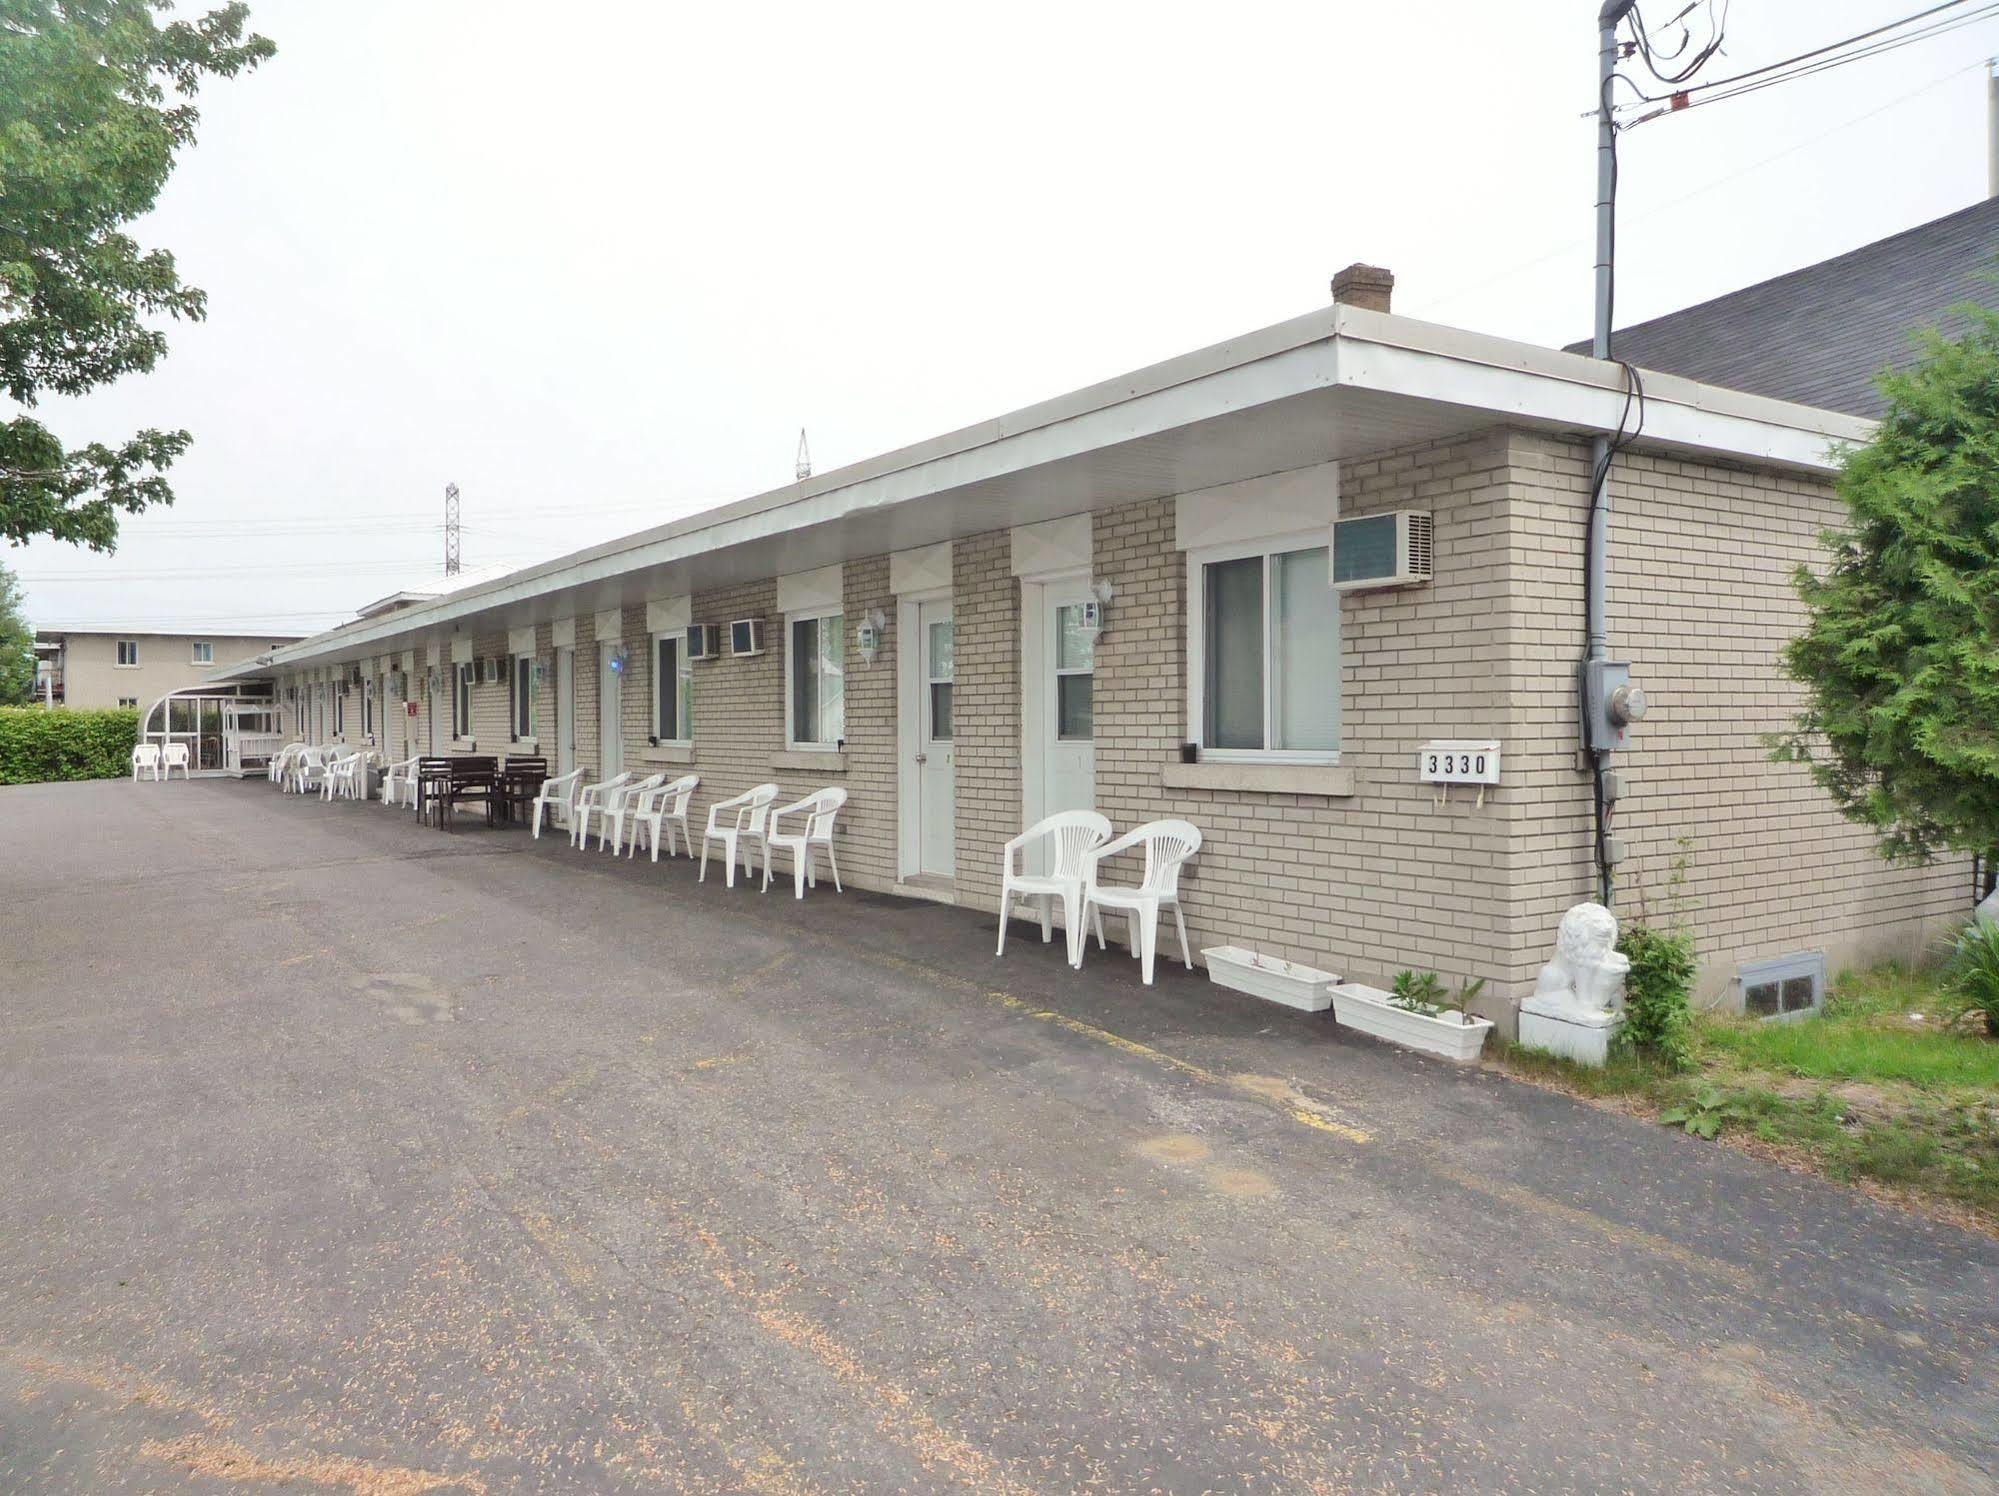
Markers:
<point>1819,335</point>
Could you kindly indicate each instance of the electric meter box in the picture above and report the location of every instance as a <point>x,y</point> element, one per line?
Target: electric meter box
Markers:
<point>1610,704</point>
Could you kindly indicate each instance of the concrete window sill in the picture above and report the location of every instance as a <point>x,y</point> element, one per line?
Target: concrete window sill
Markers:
<point>464,745</point>
<point>812,760</point>
<point>524,745</point>
<point>667,753</point>
<point>1262,779</point>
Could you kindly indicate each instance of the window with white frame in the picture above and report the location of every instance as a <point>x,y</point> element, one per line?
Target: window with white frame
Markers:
<point>1075,675</point>
<point>523,680</point>
<point>672,690</point>
<point>128,651</point>
<point>339,710</point>
<point>461,701</point>
<point>204,652</point>
<point>816,710</point>
<point>368,710</point>
<point>131,701</point>
<point>1264,651</point>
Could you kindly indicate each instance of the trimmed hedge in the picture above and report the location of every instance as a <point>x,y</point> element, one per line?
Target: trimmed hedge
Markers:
<point>38,744</point>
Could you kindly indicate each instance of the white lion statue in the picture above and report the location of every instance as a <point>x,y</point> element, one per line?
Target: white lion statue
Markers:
<point>1586,977</point>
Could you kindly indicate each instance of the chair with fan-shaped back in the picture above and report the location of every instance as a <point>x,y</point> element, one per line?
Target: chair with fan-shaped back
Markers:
<point>1168,845</point>
<point>1071,835</point>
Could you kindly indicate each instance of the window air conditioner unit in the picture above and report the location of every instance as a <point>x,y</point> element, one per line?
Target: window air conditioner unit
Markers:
<point>746,636</point>
<point>1382,550</point>
<point>702,641</point>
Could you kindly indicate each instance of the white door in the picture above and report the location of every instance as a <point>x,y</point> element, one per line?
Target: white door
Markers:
<point>610,712</point>
<point>565,710</point>
<point>430,715</point>
<point>936,754</point>
<point>1068,714</point>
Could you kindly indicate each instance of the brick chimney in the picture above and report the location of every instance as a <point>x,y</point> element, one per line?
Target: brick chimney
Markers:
<point>1367,286</point>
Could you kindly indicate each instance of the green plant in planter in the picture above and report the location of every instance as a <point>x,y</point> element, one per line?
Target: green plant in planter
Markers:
<point>1973,971</point>
<point>1417,992</point>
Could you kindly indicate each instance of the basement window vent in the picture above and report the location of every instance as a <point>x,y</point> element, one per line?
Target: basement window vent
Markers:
<point>1783,986</point>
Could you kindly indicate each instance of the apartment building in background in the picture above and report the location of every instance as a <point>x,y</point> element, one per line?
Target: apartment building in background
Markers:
<point>113,667</point>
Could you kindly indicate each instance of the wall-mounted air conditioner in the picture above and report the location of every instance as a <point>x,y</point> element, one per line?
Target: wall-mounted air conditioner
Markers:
<point>704,641</point>
<point>1382,550</point>
<point>746,636</point>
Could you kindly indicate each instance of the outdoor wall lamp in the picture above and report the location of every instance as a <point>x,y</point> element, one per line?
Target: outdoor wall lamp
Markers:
<point>868,636</point>
<point>1097,614</point>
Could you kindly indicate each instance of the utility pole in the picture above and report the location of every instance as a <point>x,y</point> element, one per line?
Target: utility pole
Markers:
<point>451,529</point>
<point>1992,127</point>
<point>1596,563</point>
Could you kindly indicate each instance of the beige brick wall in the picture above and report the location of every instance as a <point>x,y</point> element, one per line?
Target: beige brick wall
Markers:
<point>1701,604</point>
<point>985,613</point>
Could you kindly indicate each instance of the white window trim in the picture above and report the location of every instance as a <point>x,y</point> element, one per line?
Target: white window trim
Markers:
<point>118,648</point>
<point>523,670</point>
<point>792,741</point>
<point>201,658</point>
<point>685,668</point>
<point>1197,646</point>
<point>461,681</point>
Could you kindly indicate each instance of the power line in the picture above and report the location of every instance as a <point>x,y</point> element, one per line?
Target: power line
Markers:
<point>1569,245</point>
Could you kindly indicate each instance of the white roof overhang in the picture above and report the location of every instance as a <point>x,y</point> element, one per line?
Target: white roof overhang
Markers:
<point>1339,383</point>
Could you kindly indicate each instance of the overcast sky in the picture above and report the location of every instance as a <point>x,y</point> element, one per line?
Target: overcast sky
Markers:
<point>598,263</point>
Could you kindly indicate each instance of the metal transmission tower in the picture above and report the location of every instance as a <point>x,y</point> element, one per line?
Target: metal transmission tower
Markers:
<point>451,529</point>
<point>804,465</point>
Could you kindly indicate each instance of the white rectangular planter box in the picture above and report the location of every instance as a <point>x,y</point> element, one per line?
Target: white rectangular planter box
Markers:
<point>1305,988</point>
<point>1369,1010</point>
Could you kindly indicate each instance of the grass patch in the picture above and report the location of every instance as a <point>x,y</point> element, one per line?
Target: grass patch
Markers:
<point>1882,1087</point>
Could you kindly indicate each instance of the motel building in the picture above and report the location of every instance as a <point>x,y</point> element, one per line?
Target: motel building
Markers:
<point>1252,587</point>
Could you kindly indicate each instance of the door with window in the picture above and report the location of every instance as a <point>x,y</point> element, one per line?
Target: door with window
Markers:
<point>610,711</point>
<point>1069,750</point>
<point>936,752</point>
<point>565,710</point>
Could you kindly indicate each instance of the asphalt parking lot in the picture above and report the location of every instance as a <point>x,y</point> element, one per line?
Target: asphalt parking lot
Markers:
<point>347,1155</point>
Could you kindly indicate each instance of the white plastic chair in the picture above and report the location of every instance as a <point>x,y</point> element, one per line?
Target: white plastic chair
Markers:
<point>820,809</point>
<point>308,770</point>
<point>1167,845</point>
<point>611,819</point>
<point>338,779</point>
<point>146,759</point>
<point>280,764</point>
<point>176,756</point>
<point>393,776</point>
<point>593,799</point>
<point>557,795</point>
<point>660,810</point>
<point>746,814</point>
<point>1073,834</point>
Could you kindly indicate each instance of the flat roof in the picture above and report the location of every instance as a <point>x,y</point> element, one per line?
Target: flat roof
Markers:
<point>1338,382</point>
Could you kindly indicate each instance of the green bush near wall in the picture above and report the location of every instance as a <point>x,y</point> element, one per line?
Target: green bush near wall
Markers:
<point>37,744</point>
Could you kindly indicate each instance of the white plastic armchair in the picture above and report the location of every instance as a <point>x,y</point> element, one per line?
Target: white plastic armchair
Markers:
<point>1167,845</point>
<point>746,816</point>
<point>620,805</point>
<point>280,763</point>
<point>593,800</point>
<point>176,756</point>
<point>399,782</point>
<point>1071,834</point>
<point>308,770</point>
<point>820,809</point>
<point>146,760</point>
<point>659,810</point>
<point>339,775</point>
<point>557,799</point>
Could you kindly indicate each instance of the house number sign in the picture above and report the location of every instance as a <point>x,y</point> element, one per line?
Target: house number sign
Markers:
<point>1448,761</point>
